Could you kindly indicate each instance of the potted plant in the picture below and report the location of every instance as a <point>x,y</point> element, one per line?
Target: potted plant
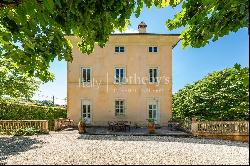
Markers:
<point>82,126</point>
<point>151,126</point>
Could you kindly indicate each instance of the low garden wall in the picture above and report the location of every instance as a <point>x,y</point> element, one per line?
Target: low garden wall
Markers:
<point>231,130</point>
<point>9,126</point>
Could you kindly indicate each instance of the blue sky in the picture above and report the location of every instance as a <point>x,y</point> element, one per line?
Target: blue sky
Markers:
<point>189,64</point>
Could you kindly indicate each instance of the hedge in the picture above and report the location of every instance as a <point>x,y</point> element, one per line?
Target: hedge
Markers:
<point>220,96</point>
<point>16,111</point>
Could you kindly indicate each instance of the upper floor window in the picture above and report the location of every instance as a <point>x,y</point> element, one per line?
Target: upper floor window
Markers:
<point>120,74</point>
<point>119,49</point>
<point>153,75</point>
<point>85,75</point>
<point>152,49</point>
<point>119,107</point>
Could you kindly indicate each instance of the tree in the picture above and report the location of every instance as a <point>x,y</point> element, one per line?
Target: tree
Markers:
<point>32,31</point>
<point>43,102</point>
<point>15,84</point>
<point>206,20</point>
<point>221,95</point>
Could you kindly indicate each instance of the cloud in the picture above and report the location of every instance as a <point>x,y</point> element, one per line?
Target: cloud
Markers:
<point>128,30</point>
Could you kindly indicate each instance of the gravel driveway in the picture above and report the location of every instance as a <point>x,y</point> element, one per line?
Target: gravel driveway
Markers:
<point>71,148</point>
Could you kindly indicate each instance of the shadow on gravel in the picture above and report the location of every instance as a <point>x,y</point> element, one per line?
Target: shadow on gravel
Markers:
<point>14,145</point>
<point>164,139</point>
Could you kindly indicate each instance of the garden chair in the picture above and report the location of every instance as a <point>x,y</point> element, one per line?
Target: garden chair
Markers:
<point>127,126</point>
<point>111,126</point>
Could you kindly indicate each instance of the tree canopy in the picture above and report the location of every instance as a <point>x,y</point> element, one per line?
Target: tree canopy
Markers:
<point>32,31</point>
<point>221,95</point>
<point>15,84</point>
<point>206,20</point>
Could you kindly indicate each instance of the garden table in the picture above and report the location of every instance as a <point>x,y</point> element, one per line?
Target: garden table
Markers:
<point>119,125</point>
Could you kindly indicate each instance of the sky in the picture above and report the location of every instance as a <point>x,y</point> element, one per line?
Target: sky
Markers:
<point>189,65</point>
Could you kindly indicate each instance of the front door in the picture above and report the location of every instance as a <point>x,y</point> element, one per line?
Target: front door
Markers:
<point>153,110</point>
<point>86,111</point>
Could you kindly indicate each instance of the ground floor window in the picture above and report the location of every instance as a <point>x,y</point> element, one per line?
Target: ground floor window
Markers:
<point>86,111</point>
<point>153,109</point>
<point>119,107</point>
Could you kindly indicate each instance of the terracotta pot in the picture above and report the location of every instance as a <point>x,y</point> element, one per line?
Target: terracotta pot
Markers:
<point>151,128</point>
<point>81,128</point>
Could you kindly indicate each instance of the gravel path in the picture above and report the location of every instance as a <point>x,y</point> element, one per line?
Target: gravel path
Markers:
<point>71,148</point>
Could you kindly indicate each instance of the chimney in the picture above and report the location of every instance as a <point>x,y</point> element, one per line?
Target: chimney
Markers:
<point>142,27</point>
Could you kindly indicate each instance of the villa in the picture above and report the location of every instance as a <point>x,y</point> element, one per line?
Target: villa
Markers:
<point>130,79</point>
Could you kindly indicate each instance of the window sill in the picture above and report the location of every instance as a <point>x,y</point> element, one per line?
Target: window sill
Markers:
<point>119,83</point>
<point>120,116</point>
<point>153,83</point>
<point>86,83</point>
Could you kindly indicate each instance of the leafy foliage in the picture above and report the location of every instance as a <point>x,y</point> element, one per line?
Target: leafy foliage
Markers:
<point>15,84</point>
<point>32,31</point>
<point>27,132</point>
<point>203,20</point>
<point>16,111</point>
<point>221,95</point>
<point>151,120</point>
<point>206,20</point>
<point>82,121</point>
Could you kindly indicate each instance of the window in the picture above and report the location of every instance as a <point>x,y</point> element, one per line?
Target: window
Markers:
<point>152,110</point>
<point>153,75</point>
<point>152,49</point>
<point>86,74</point>
<point>119,49</point>
<point>120,75</point>
<point>119,107</point>
<point>86,110</point>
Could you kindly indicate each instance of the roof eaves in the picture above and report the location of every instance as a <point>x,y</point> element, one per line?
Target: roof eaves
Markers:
<point>176,43</point>
<point>153,34</point>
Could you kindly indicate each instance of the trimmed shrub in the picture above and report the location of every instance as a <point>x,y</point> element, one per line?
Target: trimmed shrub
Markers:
<point>16,111</point>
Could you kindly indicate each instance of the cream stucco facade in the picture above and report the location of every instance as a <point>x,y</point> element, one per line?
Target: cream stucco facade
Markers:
<point>137,98</point>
